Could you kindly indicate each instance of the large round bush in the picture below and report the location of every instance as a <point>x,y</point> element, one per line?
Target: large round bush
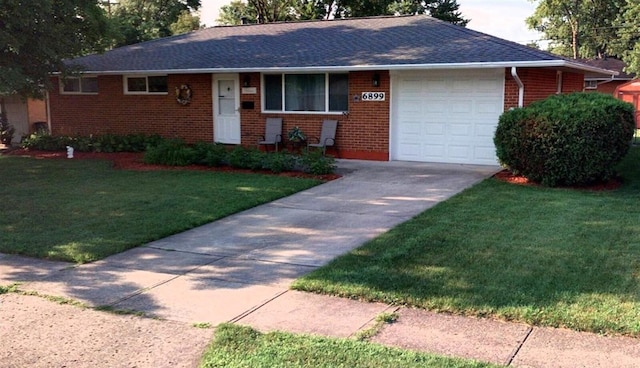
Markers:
<point>573,139</point>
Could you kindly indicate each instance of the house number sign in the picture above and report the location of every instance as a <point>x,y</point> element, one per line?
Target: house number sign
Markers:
<point>373,96</point>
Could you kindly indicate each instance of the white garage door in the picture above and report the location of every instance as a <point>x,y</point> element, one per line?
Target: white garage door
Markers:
<point>447,116</point>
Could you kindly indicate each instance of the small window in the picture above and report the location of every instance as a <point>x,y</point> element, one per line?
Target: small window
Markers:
<point>79,85</point>
<point>146,84</point>
<point>590,84</point>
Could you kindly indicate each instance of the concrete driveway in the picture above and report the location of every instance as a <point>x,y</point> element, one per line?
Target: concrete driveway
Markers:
<point>226,270</point>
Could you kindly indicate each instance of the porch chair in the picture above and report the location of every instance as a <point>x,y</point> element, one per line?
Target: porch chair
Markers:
<point>327,136</point>
<point>272,133</point>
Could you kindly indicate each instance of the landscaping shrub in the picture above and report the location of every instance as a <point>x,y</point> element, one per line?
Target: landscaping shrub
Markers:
<point>573,139</point>
<point>6,131</point>
<point>246,158</point>
<point>210,154</point>
<point>278,162</point>
<point>43,141</point>
<point>173,152</point>
<point>313,162</point>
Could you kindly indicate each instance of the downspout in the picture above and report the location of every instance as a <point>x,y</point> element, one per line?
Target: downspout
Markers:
<point>559,82</point>
<point>48,107</point>
<point>514,74</point>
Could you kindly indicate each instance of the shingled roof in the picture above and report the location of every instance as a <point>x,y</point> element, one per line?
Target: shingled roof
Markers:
<point>352,44</point>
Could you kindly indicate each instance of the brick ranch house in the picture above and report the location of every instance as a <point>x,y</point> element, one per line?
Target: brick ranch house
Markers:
<point>402,88</point>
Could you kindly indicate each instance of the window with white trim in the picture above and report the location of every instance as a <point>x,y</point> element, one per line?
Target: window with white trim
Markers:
<point>318,92</point>
<point>590,84</point>
<point>79,85</point>
<point>146,84</point>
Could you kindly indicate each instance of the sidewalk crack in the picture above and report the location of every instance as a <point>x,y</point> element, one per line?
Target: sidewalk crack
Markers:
<point>517,349</point>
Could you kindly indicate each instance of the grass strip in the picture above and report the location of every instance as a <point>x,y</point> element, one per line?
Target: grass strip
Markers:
<point>237,346</point>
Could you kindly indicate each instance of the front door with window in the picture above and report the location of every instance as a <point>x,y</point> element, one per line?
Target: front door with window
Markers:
<point>226,109</point>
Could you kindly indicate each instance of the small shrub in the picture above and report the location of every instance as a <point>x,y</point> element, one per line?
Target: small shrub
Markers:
<point>173,152</point>
<point>6,131</point>
<point>246,158</point>
<point>313,162</point>
<point>210,154</point>
<point>43,141</point>
<point>573,139</point>
<point>278,162</point>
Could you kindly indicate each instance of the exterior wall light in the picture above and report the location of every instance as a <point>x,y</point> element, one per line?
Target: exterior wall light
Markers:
<point>376,80</point>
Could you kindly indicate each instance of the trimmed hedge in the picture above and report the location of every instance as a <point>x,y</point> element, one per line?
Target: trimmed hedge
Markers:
<point>175,152</point>
<point>574,139</point>
<point>178,153</point>
<point>95,143</point>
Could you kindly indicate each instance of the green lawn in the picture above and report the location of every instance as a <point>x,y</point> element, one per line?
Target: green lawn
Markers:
<point>551,257</point>
<point>83,210</point>
<point>235,346</point>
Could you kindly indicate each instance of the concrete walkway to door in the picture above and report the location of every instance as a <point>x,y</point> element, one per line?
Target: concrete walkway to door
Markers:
<point>238,269</point>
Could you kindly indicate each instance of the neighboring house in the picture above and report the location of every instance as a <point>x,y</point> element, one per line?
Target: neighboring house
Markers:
<point>594,82</point>
<point>630,92</point>
<point>403,88</point>
<point>22,114</point>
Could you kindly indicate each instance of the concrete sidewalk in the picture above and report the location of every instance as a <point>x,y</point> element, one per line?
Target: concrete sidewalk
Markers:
<point>238,269</point>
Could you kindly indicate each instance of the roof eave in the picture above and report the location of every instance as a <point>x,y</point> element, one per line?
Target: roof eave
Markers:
<point>391,67</point>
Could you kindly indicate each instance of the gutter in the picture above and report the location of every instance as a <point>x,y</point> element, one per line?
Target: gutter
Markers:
<point>390,67</point>
<point>514,74</point>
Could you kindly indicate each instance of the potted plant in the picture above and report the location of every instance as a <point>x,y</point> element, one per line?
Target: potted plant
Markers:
<point>296,135</point>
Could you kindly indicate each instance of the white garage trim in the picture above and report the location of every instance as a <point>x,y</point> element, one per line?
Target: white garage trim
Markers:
<point>446,116</point>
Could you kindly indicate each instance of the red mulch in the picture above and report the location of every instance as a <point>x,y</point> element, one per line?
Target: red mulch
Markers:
<point>508,177</point>
<point>133,161</point>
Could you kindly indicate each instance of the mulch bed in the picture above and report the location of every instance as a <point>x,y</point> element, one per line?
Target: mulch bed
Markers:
<point>508,177</point>
<point>133,161</point>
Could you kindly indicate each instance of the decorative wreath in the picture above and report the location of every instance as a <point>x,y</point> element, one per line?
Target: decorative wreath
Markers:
<point>183,94</point>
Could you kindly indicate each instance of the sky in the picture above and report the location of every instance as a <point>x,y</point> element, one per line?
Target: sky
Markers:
<point>501,18</point>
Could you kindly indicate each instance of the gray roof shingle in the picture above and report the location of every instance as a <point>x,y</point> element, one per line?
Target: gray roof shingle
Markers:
<point>388,42</point>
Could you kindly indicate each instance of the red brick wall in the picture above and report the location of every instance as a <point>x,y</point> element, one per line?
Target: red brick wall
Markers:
<point>111,111</point>
<point>607,88</point>
<point>538,85</point>
<point>362,134</point>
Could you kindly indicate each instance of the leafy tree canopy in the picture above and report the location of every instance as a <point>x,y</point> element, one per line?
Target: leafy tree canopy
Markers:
<point>265,11</point>
<point>627,44</point>
<point>143,20</point>
<point>36,35</point>
<point>577,28</point>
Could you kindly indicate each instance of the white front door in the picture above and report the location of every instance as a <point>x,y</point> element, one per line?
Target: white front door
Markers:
<point>226,109</point>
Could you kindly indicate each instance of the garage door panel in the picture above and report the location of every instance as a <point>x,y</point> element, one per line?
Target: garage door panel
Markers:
<point>460,130</point>
<point>434,106</point>
<point>435,130</point>
<point>411,130</point>
<point>452,116</point>
<point>434,152</point>
<point>461,106</point>
<point>459,152</point>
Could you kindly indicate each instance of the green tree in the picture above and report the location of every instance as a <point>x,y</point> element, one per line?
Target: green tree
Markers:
<point>577,28</point>
<point>232,14</point>
<point>262,11</point>
<point>627,44</point>
<point>268,11</point>
<point>143,20</point>
<point>186,22</point>
<point>37,35</point>
<point>447,10</point>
